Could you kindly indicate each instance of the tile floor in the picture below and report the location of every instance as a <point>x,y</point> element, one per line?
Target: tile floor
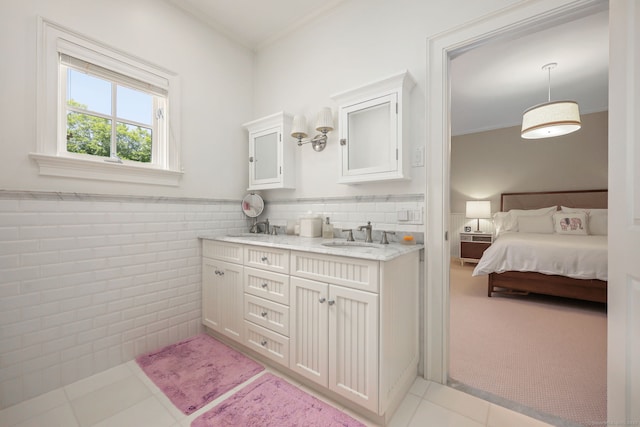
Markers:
<point>124,397</point>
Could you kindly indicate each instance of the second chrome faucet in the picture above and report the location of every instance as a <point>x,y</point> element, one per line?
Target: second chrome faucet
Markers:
<point>367,232</point>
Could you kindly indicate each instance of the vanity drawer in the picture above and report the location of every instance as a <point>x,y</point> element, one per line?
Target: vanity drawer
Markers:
<point>270,315</point>
<point>266,342</point>
<point>231,252</point>
<point>267,285</point>
<point>265,258</point>
<point>352,272</point>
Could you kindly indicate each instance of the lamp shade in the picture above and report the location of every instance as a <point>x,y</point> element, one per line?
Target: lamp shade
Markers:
<point>478,209</point>
<point>299,127</point>
<point>324,123</point>
<point>550,119</point>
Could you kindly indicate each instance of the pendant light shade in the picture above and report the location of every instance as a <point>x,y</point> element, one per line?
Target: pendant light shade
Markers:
<point>551,118</point>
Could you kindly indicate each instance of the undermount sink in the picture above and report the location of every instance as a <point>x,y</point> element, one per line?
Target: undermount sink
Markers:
<point>248,235</point>
<point>345,244</point>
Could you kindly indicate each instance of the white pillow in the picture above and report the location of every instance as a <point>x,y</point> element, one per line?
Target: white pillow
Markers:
<point>597,219</point>
<point>512,223</point>
<point>499,221</point>
<point>588,211</point>
<point>598,224</point>
<point>535,224</point>
<point>570,222</point>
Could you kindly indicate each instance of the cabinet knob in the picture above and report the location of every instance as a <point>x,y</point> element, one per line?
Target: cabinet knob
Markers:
<point>263,343</point>
<point>331,302</point>
<point>343,141</point>
<point>264,285</point>
<point>263,314</point>
<point>251,159</point>
<point>322,300</point>
<point>264,259</point>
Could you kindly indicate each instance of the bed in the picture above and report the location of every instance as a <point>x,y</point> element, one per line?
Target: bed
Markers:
<point>568,262</point>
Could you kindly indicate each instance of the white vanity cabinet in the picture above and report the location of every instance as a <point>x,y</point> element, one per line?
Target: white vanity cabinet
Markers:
<point>373,131</point>
<point>222,278</point>
<point>347,324</point>
<point>271,152</point>
<point>354,325</point>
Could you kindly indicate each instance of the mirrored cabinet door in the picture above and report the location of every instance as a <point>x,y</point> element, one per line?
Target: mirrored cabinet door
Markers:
<point>370,137</point>
<point>264,160</point>
<point>372,127</point>
<point>271,152</point>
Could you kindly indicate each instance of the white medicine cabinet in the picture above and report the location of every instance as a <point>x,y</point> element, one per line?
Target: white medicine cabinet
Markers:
<point>373,130</point>
<point>271,152</point>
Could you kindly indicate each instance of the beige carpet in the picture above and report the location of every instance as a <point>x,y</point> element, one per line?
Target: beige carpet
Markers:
<point>542,355</point>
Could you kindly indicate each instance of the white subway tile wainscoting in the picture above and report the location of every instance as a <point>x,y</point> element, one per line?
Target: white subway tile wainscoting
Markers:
<point>88,281</point>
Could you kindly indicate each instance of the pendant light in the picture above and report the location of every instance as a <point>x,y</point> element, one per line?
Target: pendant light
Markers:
<point>551,118</point>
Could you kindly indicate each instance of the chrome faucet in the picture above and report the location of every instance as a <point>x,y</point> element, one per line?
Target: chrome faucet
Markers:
<point>367,232</point>
<point>255,228</point>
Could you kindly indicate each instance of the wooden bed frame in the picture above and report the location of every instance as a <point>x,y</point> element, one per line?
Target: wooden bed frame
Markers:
<point>515,282</point>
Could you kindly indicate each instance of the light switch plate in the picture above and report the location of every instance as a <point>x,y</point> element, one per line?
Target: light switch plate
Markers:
<point>418,156</point>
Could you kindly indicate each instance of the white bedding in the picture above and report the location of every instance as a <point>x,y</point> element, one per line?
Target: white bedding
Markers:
<point>580,257</point>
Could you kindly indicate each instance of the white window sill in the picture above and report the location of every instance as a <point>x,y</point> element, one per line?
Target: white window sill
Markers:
<point>100,170</point>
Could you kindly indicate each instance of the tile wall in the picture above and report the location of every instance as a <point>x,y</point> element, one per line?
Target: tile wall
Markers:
<point>88,282</point>
<point>352,212</point>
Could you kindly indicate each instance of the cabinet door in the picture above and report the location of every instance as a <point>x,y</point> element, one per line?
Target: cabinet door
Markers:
<point>264,160</point>
<point>369,137</point>
<point>222,292</point>
<point>353,345</point>
<point>308,329</point>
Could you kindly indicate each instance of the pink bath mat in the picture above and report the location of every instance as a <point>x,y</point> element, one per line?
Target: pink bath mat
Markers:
<point>270,401</point>
<point>194,372</point>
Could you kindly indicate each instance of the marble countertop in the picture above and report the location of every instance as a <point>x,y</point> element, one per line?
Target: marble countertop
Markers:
<point>340,247</point>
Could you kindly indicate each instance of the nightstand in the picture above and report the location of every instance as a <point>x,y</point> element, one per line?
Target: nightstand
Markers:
<point>473,245</point>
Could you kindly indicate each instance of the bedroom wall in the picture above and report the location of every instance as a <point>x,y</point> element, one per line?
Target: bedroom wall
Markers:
<point>486,164</point>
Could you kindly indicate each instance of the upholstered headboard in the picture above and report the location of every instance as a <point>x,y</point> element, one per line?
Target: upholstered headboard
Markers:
<point>541,199</point>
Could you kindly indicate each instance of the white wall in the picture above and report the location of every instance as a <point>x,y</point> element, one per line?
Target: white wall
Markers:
<point>359,42</point>
<point>215,75</point>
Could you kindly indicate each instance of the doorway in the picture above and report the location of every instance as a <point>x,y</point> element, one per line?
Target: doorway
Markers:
<point>522,19</point>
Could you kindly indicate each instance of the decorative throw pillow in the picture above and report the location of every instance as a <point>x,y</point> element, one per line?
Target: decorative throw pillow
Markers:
<point>535,224</point>
<point>512,223</point>
<point>597,219</point>
<point>570,223</point>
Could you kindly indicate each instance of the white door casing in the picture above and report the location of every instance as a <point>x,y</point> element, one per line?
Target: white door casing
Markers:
<point>623,356</point>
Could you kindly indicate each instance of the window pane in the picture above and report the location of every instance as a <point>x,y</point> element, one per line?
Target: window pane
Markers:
<point>88,92</point>
<point>134,105</point>
<point>88,134</point>
<point>133,142</point>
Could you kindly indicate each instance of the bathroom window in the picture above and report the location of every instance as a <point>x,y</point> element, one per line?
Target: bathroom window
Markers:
<point>104,114</point>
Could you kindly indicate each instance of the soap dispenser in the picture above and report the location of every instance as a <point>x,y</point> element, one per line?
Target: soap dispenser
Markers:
<point>327,229</point>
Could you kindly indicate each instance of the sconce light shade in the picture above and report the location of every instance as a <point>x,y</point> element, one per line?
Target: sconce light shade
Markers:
<point>550,119</point>
<point>477,209</point>
<point>299,127</point>
<point>324,122</point>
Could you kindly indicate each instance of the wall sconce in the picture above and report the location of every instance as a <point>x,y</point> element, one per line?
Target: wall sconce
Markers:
<point>324,124</point>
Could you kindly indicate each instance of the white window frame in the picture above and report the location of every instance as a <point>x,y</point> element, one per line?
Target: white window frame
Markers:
<point>52,156</point>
